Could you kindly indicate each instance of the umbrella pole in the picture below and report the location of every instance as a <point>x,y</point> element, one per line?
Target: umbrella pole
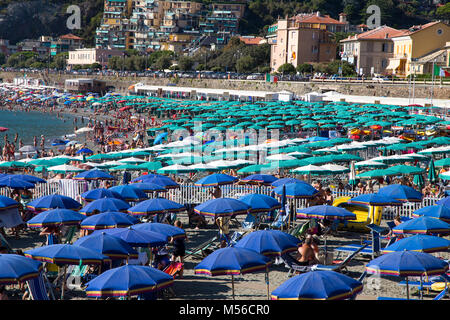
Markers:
<point>407,289</point>
<point>232,285</point>
<point>267,282</point>
<point>421,289</point>
<point>63,282</point>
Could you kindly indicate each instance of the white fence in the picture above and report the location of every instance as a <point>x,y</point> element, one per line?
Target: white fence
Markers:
<point>190,194</point>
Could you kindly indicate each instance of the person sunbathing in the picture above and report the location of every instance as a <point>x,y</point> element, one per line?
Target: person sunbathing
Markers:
<point>306,255</point>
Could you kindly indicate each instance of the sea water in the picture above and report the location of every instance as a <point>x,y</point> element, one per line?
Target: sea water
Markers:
<point>30,124</point>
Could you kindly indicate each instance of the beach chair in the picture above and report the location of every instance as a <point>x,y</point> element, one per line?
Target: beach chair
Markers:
<point>70,234</point>
<point>293,266</point>
<point>199,251</point>
<point>280,222</point>
<point>174,269</point>
<point>37,288</point>
<point>250,222</point>
<point>375,244</point>
<point>441,295</point>
<point>341,266</point>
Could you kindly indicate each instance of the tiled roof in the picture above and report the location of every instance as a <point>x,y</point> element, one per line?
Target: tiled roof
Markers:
<point>313,18</point>
<point>70,36</point>
<point>251,41</point>
<point>383,32</point>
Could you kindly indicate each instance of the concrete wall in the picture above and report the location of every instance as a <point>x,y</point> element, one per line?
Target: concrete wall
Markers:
<point>121,84</point>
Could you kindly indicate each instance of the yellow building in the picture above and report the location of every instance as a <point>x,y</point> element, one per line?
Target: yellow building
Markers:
<point>420,46</point>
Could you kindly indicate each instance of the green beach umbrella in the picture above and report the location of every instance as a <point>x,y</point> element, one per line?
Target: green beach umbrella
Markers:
<point>432,172</point>
<point>442,163</point>
<point>418,180</point>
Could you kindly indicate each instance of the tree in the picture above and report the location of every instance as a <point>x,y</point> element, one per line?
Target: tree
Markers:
<point>60,61</point>
<point>245,64</point>
<point>287,68</point>
<point>348,69</point>
<point>163,62</point>
<point>185,63</point>
<point>2,58</point>
<point>304,68</point>
<point>443,12</point>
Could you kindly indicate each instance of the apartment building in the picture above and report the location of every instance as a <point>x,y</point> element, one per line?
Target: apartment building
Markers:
<point>418,48</point>
<point>370,51</point>
<point>302,39</point>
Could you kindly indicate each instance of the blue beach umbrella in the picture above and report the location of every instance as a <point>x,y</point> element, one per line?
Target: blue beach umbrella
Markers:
<point>161,180</point>
<point>55,217</point>
<point>405,264</point>
<point>216,179</point>
<point>108,220</point>
<point>127,281</point>
<point>401,193</point>
<point>260,202</point>
<point>162,228</point>
<point>374,199</point>
<point>283,181</point>
<point>232,261</point>
<point>148,187</point>
<point>269,242</point>
<point>100,193</point>
<point>422,225</point>
<point>30,178</point>
<point>93,174</point>
<point>104,205</point>
<point>136,238</point>
<point>259,179</point>
<point>85,150</point>
<point>54,201</point>
<point>108,245</point>
<point>444,202</point>
<point>7,203</point>
<point>15,183</point>
<point>15,269</point>
<point>222,207</point>
<point>440,212</point>
<point>66,254</point>
<point>298,190</point>
<point>420,243</point>
<point>130,193</point>
<point>318,285</point>
<point>325,212</point>
<point>155,206</point>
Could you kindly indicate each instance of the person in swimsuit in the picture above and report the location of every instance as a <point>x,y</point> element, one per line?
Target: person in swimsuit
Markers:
<point>306,254</point>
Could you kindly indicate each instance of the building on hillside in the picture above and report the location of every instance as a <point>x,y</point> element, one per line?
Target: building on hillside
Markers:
<point>370,51</point>
<point>90,56</point>
<point>252,41</point>
<point>420,46</point>
<point>65,43</point>
<point>302,39</point>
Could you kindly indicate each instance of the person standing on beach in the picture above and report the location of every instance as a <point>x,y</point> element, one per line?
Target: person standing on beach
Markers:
<point>35,142</point>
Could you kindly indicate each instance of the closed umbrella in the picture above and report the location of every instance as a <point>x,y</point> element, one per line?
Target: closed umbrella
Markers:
<point>432,177</point>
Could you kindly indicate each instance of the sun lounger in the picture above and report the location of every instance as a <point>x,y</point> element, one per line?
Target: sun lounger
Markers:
<point>441,295</point>
<point>37,288</point>
<point>341,266</point>
<point>198,251</point>
<point>293,266</point>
